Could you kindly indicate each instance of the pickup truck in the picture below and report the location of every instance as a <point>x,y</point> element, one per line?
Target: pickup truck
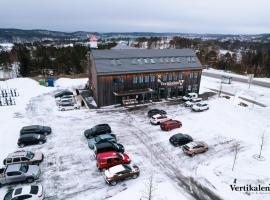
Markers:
<point>19,173</point>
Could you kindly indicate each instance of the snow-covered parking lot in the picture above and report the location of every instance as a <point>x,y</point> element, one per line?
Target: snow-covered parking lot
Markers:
<point>69,168</point>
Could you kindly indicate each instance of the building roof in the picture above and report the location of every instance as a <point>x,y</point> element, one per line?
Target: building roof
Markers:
<point>144,60</point>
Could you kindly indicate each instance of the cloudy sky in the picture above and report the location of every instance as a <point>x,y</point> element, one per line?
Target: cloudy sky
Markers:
<point>189,16</point>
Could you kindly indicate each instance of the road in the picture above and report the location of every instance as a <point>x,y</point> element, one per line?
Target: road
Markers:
<point>238,79</point>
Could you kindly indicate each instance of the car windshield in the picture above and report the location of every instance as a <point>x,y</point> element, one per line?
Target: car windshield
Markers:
<point>30,155</point>
<point>8,196</point>
<point>24,168</point>
<point>98,139</point>
<point>34,189</point>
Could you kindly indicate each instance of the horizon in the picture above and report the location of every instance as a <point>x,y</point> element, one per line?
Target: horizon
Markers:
<point>209,16</point>
<point>102,32</point>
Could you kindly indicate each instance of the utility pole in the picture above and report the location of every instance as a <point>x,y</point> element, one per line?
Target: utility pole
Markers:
<point>262,143</point>
<point>220,89</point>
<point>235,155</point>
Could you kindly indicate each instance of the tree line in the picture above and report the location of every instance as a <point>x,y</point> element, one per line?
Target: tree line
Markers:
<point>39,59</point>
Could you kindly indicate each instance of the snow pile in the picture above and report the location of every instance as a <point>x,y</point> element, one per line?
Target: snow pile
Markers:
<point>68,83</point>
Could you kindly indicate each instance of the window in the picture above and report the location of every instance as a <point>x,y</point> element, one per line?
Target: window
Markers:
<point>140,61</point>
<point>135,79</point>
<point>167,60</point>
<point>146,61</point>
<point>24,159</point>
<point>175,77</point>
<point>134,62</point>
<point>170,77</point>
<point>165,78</point>
<point>118,81</point>
<point>152,61</point>
<point>195,75</point>
<point>9,160</point>
<point>178,60</point>
<point>141,79</point>
<point>113,62</point>
<point>109,160</point>
<point>152,78</point>
<point>118,62</point>
<point>180,76</point>
<point>16,159</point>
<point>161,60</point>
<point>146,79</point>
<point>172,60</point>
<point>191,75</point>
<point>18,191</point>
<point>189,87</point>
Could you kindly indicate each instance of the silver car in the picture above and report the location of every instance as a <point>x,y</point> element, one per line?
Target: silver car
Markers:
<point>19,173</point>
<point>34,192</point>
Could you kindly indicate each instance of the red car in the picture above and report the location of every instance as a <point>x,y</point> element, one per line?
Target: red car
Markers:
<point>111,158</point>
<point>170,124</point>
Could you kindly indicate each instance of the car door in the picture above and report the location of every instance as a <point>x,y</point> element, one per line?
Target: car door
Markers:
<point>13,177</point>
<point>23,197</point>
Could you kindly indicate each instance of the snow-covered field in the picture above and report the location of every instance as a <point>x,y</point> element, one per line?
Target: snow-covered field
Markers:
<point>69,169</point>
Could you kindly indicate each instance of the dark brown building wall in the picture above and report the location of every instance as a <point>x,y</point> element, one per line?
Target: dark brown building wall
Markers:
<point>105,84</point>
<point>93,82</point>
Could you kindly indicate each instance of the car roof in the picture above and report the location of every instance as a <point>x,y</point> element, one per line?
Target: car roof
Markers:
<point>17,154</point>
<point>106,135</point>
<point>116,169</point>
<point>104,145</point>
<point>195,143</point>
<point>108,154</point>
<point>31,127</point>
<point>100,125</point>
<point>158,115</point>
<point>192,93</point>
<point>13,167</point>
<point>24,190</point>
<point>180,135</point>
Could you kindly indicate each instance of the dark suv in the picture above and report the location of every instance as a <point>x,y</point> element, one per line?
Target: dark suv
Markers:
<point>36,129</point>
<point>180,139</point>
<point>97,130</point>
<point>153,112</point>
<point>30,139</point>
<point>108,146</point>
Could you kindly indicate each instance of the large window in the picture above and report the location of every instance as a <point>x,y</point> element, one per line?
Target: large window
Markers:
<point>118,81</point>
<point>146,79</point>
<point>135,79</point>
<point>140,79</point>
<point>170,77</point>
<point>152,77</point>
<point>180,75</point>
<point>164,77</point>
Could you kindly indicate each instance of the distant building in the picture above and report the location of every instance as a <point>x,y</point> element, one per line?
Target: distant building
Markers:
<point>92,43</point>
<point>131,76</point>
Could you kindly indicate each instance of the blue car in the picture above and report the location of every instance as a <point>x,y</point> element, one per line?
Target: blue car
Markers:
<point>101,138</point>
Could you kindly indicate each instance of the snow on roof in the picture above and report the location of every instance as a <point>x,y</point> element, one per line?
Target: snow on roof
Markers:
<point>116,169</point>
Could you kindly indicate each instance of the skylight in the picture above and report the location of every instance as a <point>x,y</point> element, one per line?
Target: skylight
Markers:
<point>152,61</point>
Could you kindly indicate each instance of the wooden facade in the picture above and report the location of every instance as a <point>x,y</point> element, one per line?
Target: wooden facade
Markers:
<point>138,87</point>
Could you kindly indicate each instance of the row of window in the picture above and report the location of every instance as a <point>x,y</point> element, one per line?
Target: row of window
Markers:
<point>141,61</point>
<point>152,78</point>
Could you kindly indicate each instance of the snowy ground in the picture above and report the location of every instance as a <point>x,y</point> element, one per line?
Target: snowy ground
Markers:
<point>69,171</point>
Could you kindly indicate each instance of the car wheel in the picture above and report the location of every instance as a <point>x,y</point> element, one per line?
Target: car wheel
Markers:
<point>30,180</point>
<point>41,142</point>
<point>63,109</point>
<point>21,145</point>
<point>191,155</point>
<point>113,183</point>
<point>135,176</point>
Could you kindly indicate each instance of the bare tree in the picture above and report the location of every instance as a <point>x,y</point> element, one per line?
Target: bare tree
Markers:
<point>149,194</point>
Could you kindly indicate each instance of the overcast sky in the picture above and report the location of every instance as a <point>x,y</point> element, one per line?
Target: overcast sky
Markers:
<point>187,16</point>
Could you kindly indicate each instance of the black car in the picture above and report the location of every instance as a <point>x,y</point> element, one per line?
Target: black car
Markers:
<point>30,139</point>
<point>63,93</point>
<point>180,139</point>
<point>153,112</point>
<point>108,146</point>
<point>36,129</point>
<point>97,130</point>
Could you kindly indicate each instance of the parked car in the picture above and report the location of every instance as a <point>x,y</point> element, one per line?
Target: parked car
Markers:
<point>200,107</point>
<point>195,147</point>
<point>120,172</point>
<point>192,102</point>
<point>101,138</point>
<point>109,159</point>
<point>180,139</point>
<point>63,93</point>
<point>155,112</point>
<point>108,146</point>
<point>36,129</point>
<point>65,97</point>
<point>97,130</point>
<point>27,157</point>
<point>70,106</point>
<point>29,139</point>
<point>190,96</point>
<point>157,119</point>
<point>34,192</point>
<point>19,173</point>
<point>65,101</point>
<point>170,124</point>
